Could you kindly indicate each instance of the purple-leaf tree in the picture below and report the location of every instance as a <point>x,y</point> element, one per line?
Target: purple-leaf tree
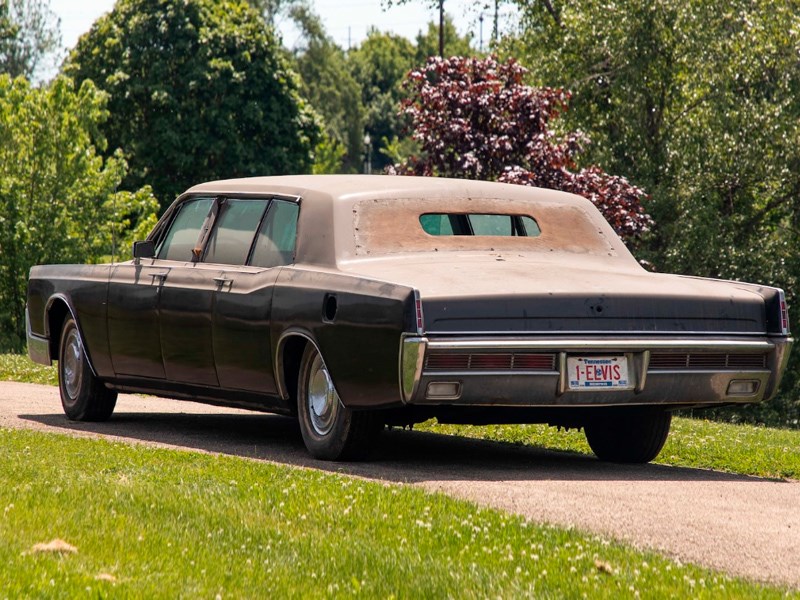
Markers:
<point>476,119</point>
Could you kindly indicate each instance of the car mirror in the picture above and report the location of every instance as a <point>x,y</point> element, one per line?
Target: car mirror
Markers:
<point>146,249</point>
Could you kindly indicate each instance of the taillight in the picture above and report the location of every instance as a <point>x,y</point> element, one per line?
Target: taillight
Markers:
<point>418,311</point>
<point>784,313</point>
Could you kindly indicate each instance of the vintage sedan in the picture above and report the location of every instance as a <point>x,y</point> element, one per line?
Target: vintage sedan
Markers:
<point>356,302</point>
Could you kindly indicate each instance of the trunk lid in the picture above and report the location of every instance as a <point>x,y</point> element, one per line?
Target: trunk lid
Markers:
<point>565,294</point>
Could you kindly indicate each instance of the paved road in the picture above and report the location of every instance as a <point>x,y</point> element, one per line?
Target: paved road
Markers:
<point>742,525</point>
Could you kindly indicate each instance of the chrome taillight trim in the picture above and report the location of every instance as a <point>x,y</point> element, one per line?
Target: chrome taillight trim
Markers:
<point>412,357</point>
<point>420,317</point>
<point>784,316</point>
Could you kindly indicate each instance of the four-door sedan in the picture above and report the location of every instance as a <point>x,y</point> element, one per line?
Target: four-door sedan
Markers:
<point>355,302</point>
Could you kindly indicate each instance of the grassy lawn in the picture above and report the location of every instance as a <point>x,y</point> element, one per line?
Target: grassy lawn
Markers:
<point>18,367</point>
<point>160,523</point>
<point>743,449</point>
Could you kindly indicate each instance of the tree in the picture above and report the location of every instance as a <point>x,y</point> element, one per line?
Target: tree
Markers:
<point>699,103</point>
<point>437,5</point>
<point>58,199</point>
<point>331,89</point>
<point>379,66</point>
<point>454,44</point>
<point>29,31</point>
<point>476,119</point>
<point>199,89</point>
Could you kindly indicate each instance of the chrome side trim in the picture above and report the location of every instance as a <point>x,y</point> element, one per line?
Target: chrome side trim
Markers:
<point>606,332</point>
<point>412,356</point>
<point>479,373</point>
<point>38,346</point>
<point>600,345</point>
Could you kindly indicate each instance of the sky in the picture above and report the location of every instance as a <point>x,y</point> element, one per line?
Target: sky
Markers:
<point>346,21</point>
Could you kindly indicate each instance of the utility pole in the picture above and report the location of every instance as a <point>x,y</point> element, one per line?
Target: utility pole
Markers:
<point>496,16</point>
<point>441,28</point>
<point>480,45</point>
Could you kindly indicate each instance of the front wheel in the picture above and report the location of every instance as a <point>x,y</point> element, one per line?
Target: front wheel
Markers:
<point>83,396</point>
<point>331,431</point>
<point>628,435</point>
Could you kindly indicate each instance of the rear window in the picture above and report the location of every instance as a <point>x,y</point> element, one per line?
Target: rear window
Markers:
<point>394,225</point>
<point>479,224</point>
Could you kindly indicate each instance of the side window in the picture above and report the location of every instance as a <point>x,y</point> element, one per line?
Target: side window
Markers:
<point>233,234</point>
<point>185,229</point>
<point>277,236</point>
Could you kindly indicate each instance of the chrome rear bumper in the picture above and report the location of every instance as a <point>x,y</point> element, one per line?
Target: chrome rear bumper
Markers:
<point>704,378</point>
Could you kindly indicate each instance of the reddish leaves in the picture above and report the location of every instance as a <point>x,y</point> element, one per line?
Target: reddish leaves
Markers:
<point>476,119</point>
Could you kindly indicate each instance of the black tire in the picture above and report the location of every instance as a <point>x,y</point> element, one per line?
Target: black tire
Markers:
<point>628,435</point>
<point>83,396</point>
<point>330,430</point>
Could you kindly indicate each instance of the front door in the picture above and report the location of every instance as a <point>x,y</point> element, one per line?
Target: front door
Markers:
<point>134,337</point>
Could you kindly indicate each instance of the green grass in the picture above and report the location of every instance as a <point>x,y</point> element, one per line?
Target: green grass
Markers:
<point>743,449</point>
<point>161,523</point>
<point>18,367</point>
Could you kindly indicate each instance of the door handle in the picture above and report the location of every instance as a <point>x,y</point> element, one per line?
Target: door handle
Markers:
<point>222,281</point>
<point>161,276</point>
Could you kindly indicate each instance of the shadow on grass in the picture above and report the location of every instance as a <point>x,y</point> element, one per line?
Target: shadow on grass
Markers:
<point>401,456</point>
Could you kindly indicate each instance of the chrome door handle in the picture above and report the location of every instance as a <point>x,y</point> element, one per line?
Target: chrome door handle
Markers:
<point>161,276</point>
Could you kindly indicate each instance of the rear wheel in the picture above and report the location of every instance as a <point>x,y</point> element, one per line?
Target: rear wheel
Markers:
<point>330,430</point>
<point>628,435</point>
<point>83,396</point>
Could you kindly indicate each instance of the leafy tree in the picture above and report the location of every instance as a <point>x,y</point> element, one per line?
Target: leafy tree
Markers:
<point>454,44</point>
<point>274,10</point>
<point>379,65</point>
<point>29,32</point>
<point>476,119</point>
<point>441,31</point>
<point>700,103</point>
<point>58,199</point>
<point>199,89</point>
<point>331,89</point>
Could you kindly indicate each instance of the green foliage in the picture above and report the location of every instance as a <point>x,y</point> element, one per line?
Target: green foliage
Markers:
<point>328,156</point>
<point>18,367</point>
<point>699,103</point>
<point>454,44</point>
<point>58,200</point>
<point>332,90</point>
<point>199,89</point>
<point>695,443</point>
<point>157,523</point>
<point>379,65</point>
<point>29,32</point>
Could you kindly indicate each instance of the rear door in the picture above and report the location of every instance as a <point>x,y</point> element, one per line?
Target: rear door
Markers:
<point>243,304</point>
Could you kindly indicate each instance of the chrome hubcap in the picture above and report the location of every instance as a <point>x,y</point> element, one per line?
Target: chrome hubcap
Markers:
<point>72,364</point>
<point>323,401</point>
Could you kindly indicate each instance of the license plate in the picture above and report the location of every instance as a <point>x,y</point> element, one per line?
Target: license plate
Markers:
<point>598,372</point>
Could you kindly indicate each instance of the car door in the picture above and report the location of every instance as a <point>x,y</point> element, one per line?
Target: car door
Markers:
<point>134,338</point>
<point>140,291</point>
<point>186,295</point>
<point>242,345</point>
